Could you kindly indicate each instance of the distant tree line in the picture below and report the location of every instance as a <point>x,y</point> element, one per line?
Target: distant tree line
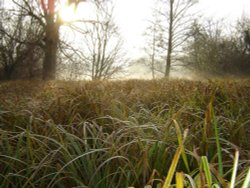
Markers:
<point>176,36</point>
<point>212,52</point>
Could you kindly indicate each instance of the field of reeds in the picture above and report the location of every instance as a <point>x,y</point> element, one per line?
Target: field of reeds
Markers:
<point>120,134</point>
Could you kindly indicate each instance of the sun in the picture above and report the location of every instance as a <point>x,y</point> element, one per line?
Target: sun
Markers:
<point>68,13</point>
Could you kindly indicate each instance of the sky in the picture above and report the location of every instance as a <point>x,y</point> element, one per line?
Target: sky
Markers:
<point>132,15</point>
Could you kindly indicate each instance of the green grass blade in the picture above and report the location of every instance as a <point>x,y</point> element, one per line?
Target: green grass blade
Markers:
<point>246,183</point>
<point>218,146</point>
<point>205,167</point>
<point>72,161</point>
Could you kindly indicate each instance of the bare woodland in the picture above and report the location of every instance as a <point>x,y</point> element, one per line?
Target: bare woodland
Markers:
<point>32,46</point>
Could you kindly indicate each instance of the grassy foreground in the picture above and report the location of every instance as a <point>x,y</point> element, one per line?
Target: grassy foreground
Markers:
<point>125,134</point>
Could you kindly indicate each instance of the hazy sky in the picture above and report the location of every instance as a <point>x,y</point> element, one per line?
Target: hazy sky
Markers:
<point>132,15</point>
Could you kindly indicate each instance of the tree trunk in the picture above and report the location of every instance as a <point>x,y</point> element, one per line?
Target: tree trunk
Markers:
<point>6,77</point>
<point>168,64</point>
<point>7,74</point>
<point>170,40</point>
<point>51,44</point>
<point>153,56</point>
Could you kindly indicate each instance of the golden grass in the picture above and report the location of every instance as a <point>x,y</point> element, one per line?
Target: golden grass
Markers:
<point>122,133</point>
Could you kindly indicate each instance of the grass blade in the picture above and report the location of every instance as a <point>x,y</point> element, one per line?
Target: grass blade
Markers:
<point>205,167</point>
<point>172,168</point>
<point>191,181</point>
<point>179,180</point>
<point>218,146</point>
<point>180,141</point>
<point>246,183</point>
<point>236,161</point>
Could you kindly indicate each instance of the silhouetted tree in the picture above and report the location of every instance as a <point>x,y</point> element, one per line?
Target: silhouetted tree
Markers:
<point>46,13</point>
<point>52,24</point>
<point>247,39</point>
<point>20,48</point>
<point>243,30</point>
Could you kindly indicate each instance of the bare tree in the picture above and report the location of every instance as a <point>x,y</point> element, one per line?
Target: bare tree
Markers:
<point>202,47</point>
<point>46,13</point>
<point>102,47</point>
<point>154,36</point>
<point>243,27</point>
<point>71,65</point>
<point>211,51</point>
<point>178,17</point>
<point>19,45</point>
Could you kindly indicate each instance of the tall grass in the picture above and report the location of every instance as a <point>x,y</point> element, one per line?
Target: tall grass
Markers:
<point>125,134</point>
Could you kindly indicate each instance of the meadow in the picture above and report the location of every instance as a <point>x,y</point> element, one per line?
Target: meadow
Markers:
<point>120,134</point>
